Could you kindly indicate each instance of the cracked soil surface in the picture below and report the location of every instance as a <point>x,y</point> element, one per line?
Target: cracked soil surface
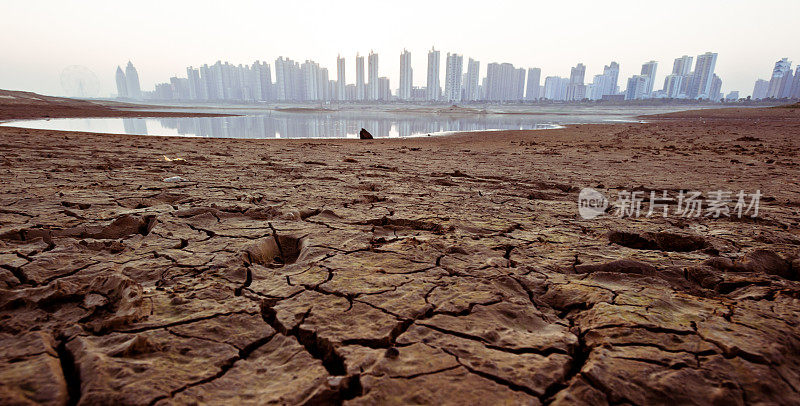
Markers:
<point>453,270</point>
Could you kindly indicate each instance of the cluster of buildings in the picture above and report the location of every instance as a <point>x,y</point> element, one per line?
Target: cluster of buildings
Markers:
<point>502,82</point>
<point>683,83</point>
<point>782,85</point>
<point>128,83</point>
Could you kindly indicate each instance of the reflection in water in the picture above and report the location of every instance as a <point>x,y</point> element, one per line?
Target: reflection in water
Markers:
<point>307,125</point>
<point>135,126</point>
<point>340,125</point>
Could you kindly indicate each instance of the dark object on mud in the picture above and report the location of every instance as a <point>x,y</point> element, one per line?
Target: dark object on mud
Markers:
<point>364,135</point>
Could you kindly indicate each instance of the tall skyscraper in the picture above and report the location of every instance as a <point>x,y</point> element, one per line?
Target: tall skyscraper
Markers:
<point>132,82</point>
<point>597,89</point>
<point>577,74</point>
<point>677,83</point>
<point>312,89</point>
<point>682,66</point>
<point>288,79</point>
<point>406,76</point>
<point>452,81</point>
<point>384,89</point>
<point>471,91</point>
<point>795,93</point>
<point>760,89</point>
<point>324,84</point>
<point>519,85</point>
<point>649,71</point>
<point>612,84</point>
<point>361,87</point>
<point>532,91</point>
<point>194,83</point>
<point>715,94</point>
<point>673,84</point>
<point>373,87</point>
<point>122,84</point>
<point>263,80</point>
<point>576,89</point>
<point>700,86</point>
<point>780,84</point>
<point>433,89</point>
<point>637,87</point>
<point>504,82</point>
<point>341,81</point>
<point>555,88</point>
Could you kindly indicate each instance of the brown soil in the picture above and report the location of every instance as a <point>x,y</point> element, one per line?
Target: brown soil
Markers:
<point>26,105</point>
<point>450,270</point>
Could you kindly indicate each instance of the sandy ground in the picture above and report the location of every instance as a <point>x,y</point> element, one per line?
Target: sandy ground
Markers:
<point>452,270</point>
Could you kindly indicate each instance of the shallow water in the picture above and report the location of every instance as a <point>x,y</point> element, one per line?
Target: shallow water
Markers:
<point>330,124</point>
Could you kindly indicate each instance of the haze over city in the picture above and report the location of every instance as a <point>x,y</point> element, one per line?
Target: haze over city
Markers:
<point>162,38</point>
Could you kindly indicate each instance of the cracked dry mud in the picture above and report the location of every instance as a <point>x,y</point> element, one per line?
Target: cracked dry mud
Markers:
<point>419,271</point>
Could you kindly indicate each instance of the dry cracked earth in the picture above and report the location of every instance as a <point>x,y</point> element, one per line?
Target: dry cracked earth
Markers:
<point>421,271</point>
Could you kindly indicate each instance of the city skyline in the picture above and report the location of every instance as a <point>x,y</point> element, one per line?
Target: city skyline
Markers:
<point>750,38</point>
<point>503,82</point>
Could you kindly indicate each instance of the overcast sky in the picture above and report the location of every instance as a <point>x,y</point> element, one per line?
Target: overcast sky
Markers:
<point>41,38</point>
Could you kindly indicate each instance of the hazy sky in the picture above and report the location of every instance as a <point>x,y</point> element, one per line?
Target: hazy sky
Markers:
<point>41,38</point>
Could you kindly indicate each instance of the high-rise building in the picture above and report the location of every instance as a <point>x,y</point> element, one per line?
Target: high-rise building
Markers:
<point>132,82</point>
<point>682,66</point>
<point>555,88</point>
<point>194,83</point>
<point>341,79</point>
<point>532,90</point>
<point>732,96</point>
<point>384,89</point>
<point>406,76</point>
<point>780,84</point>
<point>677,84</point>
<point>649,71</point>
<point>577,74</point>
<point>504,82</point>
<point>373,88</point>
<point>288,80</point>
<point>312,90</point>
<point>324,84</point>
<point>597,89</point>
<point>760,89</point>
<point>122,84</point>
<point>361,87</point>
<point>263,80</point>
<point>499,81</point>
<point>551,87</point>
<point>452,80</point>
<point>700,86</point>
<point>637,87</point>
<point>576,89</point>
<point>795,93</point>
<point>433,89</point>
<point>715,94</point>
<point>471,91</point>
<point>612,71</point>
<point>673,84</point>
<point>518,85</point>
<point>787,86</point>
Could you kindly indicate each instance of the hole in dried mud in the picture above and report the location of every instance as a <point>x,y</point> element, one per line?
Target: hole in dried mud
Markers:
<point>664,241</point>
<point>276,251</point>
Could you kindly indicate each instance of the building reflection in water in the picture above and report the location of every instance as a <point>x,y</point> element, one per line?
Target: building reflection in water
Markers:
<point>135,126</point>
<point>335,125</point>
